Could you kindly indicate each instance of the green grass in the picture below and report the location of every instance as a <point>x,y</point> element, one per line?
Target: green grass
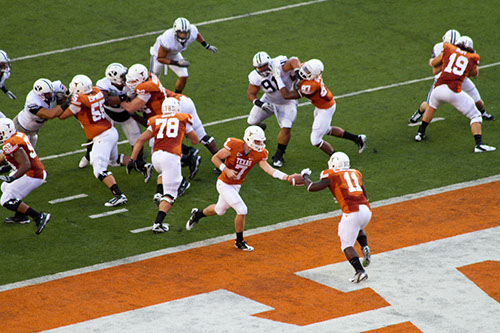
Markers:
<point>362,44</point>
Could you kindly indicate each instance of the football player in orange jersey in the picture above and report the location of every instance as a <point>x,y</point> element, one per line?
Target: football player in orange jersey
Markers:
<point>455,64</point>
<point>240,157</point>
<point>168,131</point>
<point>29,174</point>
<point>150,95</point>
<point>346,186</point>
<point>310,85</point>
<point>87,107</point>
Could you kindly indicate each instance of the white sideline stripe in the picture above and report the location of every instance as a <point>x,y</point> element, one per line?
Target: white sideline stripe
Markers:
<point>255,231</point>
<point>96,216</point>
<point>136,231</point>
<point>432,121</point>
<point>161,31</point>
<point>78,196</point>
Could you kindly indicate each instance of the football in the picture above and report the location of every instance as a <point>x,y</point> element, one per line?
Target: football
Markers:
<point>296,180</point>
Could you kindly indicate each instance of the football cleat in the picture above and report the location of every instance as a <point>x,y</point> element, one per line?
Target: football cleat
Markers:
<point>361,143</point>
<point>183,187</point>
<point>42,222</point>
<point>366,256</point>
<point>194,166</point>
<point>216,171</point>
<point>243,246</point>
<point>159,228</point>
<point>482,148</point>
<point>157,199</point>
<point>487,116</point>
<point>358,277</point>
<point>117,201</point>
<point>18,219</point>
<point>84,162</point>
<point>147,172</point>
<point>415,117</point>
<point>419,137</point>
<point>192,221</point>
<point>278,163</point>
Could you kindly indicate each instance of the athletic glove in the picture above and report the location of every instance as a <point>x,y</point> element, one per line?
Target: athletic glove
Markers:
<point>306,172</point>
<point>130,166</point>
<point>268,107</point>
<point>8,179</point>
<point>212,48</point>
<point>180,63</point>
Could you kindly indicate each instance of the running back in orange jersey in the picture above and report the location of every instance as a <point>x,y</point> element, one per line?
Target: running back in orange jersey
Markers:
<point>89,110</point>
<point>169,131</point>
<point>317,93</point>
<point>153,89</point>
<point>240,162</point>
<point>456,66</point>
<point>346,187</point>
<point>20,141</point>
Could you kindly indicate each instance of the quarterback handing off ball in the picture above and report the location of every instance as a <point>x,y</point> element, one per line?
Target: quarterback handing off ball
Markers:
<point>296,179</point>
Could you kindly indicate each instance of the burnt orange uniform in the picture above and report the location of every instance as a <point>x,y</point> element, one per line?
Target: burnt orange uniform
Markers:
<point>89,110</point>
<point>20,141</point>
<point>346,188</point>
<point>317,93</point>
<point>153,93</point>
<point>456,66</point>
<point>169,131</point>
<point>175,95</point>
<point>240,162</point>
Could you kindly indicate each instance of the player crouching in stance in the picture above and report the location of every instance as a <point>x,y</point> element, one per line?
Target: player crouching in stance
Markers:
<point>240,157</point>
<point>29,174</point>
<point>168,131</point>
<point>347,187</point>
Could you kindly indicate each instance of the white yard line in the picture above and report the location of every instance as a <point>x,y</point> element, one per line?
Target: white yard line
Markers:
<point>161,31</point>
<point>255,231</point>
<point>96,216</point>
<point>73,197</point>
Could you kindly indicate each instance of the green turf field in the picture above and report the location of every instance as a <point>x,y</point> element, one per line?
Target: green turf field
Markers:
<point>363,45</point>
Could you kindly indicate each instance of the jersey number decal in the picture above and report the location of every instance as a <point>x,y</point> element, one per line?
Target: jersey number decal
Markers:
<point>352,188</point>
<point>171,125</point>
<point>32,152</point>
<point>97,110</point>
<point>268,85</point>
<point>242,167</point>
<point>457,65</point>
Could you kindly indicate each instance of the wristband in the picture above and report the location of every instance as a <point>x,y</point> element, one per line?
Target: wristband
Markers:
<point>309,186</point>
<point>222,166</point>
<point>205,44</point>
<point>174,62</point>
<point>280,175</point>
<point>258,102</point>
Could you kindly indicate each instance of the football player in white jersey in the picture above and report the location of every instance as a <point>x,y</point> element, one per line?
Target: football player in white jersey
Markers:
<point>115,91</point>
<point>5,74</point>
<point>46,101</point>
<point>451,36</point>
<point>272,101</point>
<point>166,52</point>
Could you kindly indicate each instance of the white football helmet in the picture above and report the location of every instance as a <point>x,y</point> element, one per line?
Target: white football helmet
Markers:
<point>182,26</point>
<point>339,161</point>
<point>45,89</point>
<point>116,73</point>
<point>255,137</point>
<point>81,84</point>
<point>170,106</point>
<point>466,41</point>
<point>451,36</point>
<point>260,59</point>
<point>7,129</point>
<point>311,69</point>
<point>4,61</point>
<point>136,75</point>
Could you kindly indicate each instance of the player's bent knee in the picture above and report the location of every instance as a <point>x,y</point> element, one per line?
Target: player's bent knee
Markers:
<point>220,211</point>
<point>168,198</point>
<point>102,175</point>
<point>241,209</point>
<point>476,119</point>
<point>12,204</point>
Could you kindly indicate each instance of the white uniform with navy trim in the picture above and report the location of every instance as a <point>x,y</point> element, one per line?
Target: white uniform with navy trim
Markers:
<point>4,76</point>
<point>169,42</point>
<point>285,109</point>
<point>117,114</point>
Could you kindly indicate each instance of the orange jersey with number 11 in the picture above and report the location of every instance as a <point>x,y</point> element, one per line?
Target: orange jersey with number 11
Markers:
<point>346,188</point>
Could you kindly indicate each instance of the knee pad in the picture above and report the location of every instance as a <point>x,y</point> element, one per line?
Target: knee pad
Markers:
<point>168,198</point>
<point>12,204</point>
<point>476,118</point>
<point>241,208</point>
<point>316,140</point>
<point>103,175</point>
<point>206,140</point>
